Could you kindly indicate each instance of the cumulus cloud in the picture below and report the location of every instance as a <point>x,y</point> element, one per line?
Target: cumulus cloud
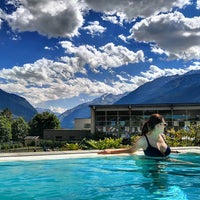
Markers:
<point>135,8</point>
<point>156,72</point>
<point>46,80</point>
<point>94,28</point>
<point>198,4</point>
<point>123,38</point>
<point>111,18</point>
<point>2,14</point>
<point>172,32</point>
<point>115,17</point>
<point>153,73</point>
<point>57,109</point>
<point>0,23</point>
<point>158,50</point>
<point>51,18</point>
<point>63,18</point>
<point>108,56</point>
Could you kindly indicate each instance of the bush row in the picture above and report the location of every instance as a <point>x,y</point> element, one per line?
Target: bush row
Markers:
<point>182,137</point>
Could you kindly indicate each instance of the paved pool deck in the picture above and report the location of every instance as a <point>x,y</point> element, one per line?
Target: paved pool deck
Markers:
<point>30,156</point>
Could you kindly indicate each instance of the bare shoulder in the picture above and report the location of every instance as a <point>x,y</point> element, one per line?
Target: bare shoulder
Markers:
<point>141,142</point>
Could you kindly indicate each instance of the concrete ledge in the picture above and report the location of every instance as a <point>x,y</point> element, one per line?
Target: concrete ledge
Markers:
<point>30,156</point>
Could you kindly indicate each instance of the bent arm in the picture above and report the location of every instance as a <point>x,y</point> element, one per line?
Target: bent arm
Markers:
<point>115,151</point>
<point>133,149</point>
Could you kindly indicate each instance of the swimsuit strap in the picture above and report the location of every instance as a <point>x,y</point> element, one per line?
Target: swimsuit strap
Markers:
<point>147,140</point>
<point>163,139</point>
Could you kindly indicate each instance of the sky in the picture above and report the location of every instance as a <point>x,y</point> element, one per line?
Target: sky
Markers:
<point>60,53</point>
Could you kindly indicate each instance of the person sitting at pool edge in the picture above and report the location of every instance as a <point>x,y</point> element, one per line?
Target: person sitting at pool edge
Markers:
<point>152,140</point>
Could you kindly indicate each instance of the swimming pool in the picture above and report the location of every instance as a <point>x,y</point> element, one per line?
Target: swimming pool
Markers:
<point>102,178</point>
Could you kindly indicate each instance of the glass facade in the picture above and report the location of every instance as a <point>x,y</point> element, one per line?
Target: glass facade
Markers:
<point>118,120</point>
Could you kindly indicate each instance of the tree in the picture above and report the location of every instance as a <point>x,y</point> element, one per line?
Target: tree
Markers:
<point>5,129</point>
<point>7,113</point>
<point>20,129</point>
<point>43,121</point>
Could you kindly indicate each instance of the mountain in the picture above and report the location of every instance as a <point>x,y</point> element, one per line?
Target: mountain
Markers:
<point>41,110</point>
<point>83,110</point>
<point>19,106</point>
<point>170,89</point>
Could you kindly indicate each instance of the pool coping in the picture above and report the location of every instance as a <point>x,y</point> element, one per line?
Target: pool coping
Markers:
<point>48,155</point>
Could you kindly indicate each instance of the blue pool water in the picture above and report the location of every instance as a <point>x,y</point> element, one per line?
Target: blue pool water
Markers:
<point>102,178</point>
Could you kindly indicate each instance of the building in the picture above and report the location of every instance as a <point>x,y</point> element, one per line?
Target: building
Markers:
<point>65,135</point>
<point>82,123</point>
<point>81,130</point>
<point>119,119</point>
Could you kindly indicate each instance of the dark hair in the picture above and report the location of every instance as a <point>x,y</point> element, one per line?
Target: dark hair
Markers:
<point>151,123</point>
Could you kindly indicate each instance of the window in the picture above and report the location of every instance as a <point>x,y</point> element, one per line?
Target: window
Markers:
<point>87,125</point>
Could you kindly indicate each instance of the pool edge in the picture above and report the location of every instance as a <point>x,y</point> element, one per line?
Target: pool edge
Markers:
<point>30,156</point>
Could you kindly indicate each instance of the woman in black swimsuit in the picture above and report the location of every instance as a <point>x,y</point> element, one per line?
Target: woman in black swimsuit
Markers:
<point>152,140</point>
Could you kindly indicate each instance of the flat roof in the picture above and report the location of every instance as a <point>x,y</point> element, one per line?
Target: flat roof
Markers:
<point>144,105</point>
<point>154,105</point>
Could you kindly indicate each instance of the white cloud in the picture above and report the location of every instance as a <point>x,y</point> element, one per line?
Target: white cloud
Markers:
<point>40,81</point>
<point>123,38</point>
<point>108,56</point>
<point>158,50</point>
<point>52,18</point>
<point>57,109</point>
<point>121,78</point>
<point>46,80</point>
<point>171,32</point>
<point>135,8</point>
<point>195,66</point>
<point>0,23</point>
<point>198,4</point>
<point>63,18</point>
<point>94,28</point>
<point>2,16</point>
<point>153,73</point>
<point>115,17</point>
<point>110,18</point>
<point>48,48</point>
<point>15,3</point>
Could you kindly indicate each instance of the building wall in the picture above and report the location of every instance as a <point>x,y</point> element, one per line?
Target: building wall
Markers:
<point>65,135</point>
<point>82,123</point>
<point>118,119</point>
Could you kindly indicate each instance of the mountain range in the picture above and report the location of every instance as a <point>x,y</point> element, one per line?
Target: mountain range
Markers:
<point>167,89</point>
<point>19,106</point>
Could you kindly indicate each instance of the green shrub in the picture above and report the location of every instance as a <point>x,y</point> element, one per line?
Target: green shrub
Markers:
<point>4,146</point>
<point>105,144</point>
<point>71,146</point>
<point>183,137</point>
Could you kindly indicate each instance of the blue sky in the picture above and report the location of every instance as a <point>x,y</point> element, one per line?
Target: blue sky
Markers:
<point>60,53</point>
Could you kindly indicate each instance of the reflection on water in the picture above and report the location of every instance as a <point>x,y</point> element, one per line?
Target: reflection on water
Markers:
<point>154,172</point>
<point>156,179</point>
